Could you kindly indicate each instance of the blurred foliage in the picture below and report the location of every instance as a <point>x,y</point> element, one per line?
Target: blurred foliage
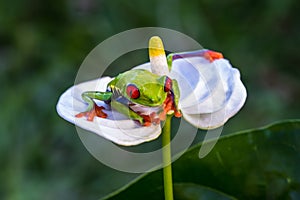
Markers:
<point>42,44</point>
<point>269,171</point>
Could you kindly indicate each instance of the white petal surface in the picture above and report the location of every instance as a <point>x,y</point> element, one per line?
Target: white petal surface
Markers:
<point>217,96</point>
<point>220,117</point>
<point>201,82</point>
<point>116,127</point>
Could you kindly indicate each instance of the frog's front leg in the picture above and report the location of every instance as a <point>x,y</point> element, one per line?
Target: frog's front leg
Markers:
<point>171,102</point>
<point>205,53</point>
<point>176,95</point>
<point>125,110</point>
<point>93,109</point>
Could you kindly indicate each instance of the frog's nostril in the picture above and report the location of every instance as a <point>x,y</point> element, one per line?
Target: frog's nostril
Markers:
<point>154,100</point>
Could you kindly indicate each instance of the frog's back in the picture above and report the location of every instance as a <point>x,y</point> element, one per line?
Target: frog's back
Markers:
<point>136,76</point>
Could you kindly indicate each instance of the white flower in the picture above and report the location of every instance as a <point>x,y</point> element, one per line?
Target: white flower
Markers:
<point>210,93</point>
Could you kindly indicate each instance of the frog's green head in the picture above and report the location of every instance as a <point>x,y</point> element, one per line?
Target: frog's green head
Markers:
<point>149,92</point>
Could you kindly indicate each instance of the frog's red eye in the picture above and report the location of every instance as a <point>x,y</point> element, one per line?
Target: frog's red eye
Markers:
<point>168,84</point>
<point>132,91</point>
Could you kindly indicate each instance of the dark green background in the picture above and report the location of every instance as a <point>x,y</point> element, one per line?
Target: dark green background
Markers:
<point>42,45</point>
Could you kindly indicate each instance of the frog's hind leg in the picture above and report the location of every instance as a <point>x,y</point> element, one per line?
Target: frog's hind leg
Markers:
<point>93,109</point>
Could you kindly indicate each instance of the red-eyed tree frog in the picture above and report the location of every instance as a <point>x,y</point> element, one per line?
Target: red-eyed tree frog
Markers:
<point>140,94</point>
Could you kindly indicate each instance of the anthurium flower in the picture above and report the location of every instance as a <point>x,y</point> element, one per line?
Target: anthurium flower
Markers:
<point>210,93</point>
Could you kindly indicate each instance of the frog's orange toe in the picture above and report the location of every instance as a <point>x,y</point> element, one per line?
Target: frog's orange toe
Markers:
<point>177,114</point>
<point>80,114</point>
<point>212,55</point>
<point>96,111</point>
<point>147,124</point>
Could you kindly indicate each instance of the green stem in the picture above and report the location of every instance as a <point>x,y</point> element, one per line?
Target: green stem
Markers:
<point>166,154</point>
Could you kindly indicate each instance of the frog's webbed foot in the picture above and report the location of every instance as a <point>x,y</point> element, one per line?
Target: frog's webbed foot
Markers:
<point>94,111</point>
<point>150,119</point>
<point>169,106</point>
<point>212,55</point>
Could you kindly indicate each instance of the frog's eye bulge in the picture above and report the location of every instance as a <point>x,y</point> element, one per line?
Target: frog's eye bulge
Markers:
<point>132,91</point>
<point>168,84</point>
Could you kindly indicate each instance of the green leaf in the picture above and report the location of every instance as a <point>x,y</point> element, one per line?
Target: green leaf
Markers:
<point>256,164</point>
<point>190,191</point>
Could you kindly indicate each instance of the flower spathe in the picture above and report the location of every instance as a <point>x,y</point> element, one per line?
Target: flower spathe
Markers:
<point>210,93</point>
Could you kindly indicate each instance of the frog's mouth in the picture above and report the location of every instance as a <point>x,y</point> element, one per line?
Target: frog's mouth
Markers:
<point>145,110</point>
<point>151,115</point>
